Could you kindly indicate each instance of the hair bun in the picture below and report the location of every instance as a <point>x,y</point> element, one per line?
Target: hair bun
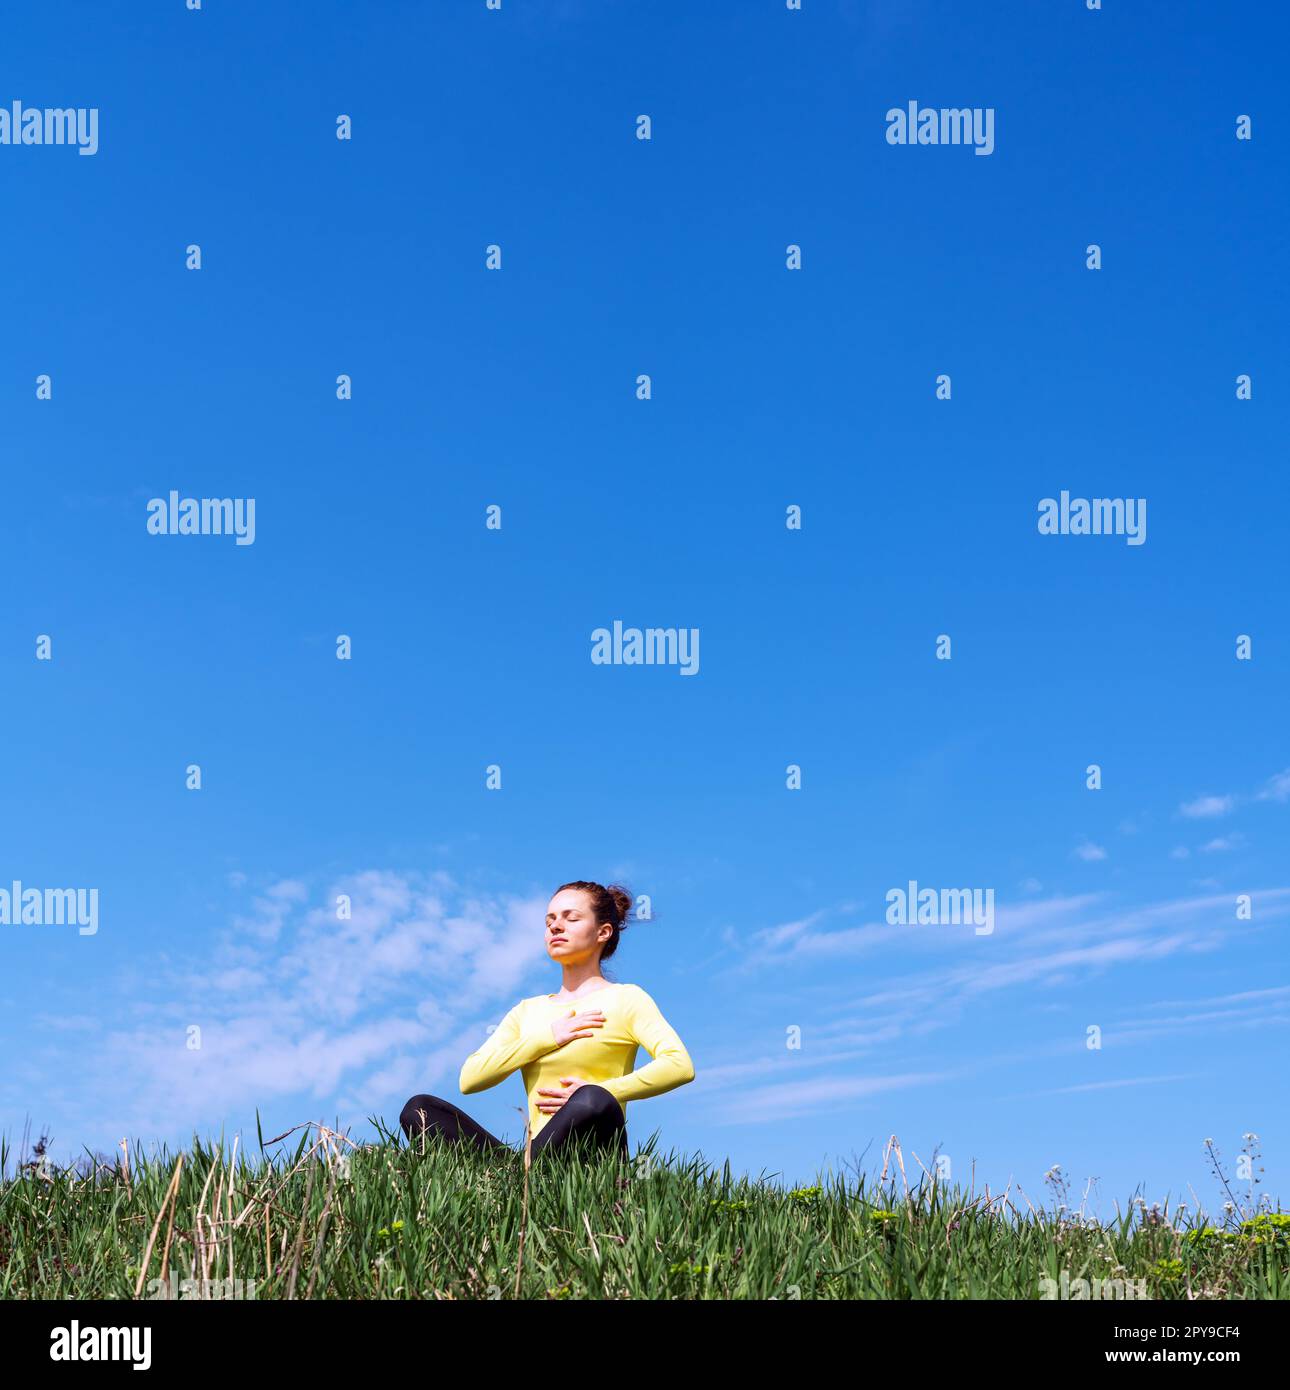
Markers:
<point>623,901</point>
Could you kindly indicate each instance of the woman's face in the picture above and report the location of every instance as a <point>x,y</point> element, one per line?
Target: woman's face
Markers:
<point>572,933</point>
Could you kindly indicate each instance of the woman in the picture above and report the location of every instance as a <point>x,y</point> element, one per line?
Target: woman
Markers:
<point>574,1049</point>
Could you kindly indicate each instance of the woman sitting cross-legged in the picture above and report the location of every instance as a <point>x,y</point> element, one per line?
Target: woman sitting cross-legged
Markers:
<point>574,1049</point>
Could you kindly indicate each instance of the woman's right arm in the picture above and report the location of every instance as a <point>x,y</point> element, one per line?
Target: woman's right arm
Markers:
<point>508,1047</point>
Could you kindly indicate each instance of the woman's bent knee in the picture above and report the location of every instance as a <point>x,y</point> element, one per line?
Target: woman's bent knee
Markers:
<point>595,1100</point>
<point>414,1114</point>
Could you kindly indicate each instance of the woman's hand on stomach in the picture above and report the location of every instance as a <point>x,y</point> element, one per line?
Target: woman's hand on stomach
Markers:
<point>557,1095</point>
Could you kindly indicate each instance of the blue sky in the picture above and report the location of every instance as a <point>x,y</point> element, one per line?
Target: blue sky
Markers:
<point>1115,908</point>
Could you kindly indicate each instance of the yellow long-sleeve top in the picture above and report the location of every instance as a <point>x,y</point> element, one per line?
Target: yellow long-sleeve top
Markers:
<point>523,1039</point>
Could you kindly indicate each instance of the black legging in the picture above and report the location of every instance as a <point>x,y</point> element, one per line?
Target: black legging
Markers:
<point>591,1118</point>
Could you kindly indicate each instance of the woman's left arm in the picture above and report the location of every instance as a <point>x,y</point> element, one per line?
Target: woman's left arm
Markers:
<point>671,1066</point>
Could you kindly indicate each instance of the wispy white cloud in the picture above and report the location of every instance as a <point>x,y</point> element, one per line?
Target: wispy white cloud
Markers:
<point>773,1104</point>
<point>1089,852</point>
<point>1245,996</point>
<point>1118,1084</point>
<point>1258,1008</point>
<point>774,938</point>
<point>1277,788</point>
<point>816,938</point>
<point>1036,946</point>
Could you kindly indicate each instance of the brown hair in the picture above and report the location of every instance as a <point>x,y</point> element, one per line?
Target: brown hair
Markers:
<point>610,905</point>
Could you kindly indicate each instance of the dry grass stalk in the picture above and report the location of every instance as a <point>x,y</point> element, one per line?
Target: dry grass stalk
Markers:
<point>156,1225</point>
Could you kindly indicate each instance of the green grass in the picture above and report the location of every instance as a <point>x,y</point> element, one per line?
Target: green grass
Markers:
<point>317,1218</point>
